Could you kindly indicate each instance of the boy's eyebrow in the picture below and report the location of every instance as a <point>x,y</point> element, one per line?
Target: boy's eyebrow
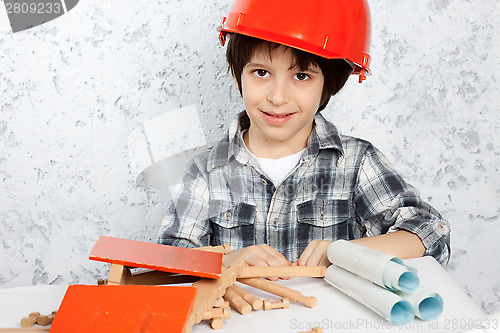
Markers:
<point>308,69</point>
<point>256,64</point>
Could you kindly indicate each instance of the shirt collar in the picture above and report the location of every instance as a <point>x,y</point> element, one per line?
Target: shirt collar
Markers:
<point>324,135</point>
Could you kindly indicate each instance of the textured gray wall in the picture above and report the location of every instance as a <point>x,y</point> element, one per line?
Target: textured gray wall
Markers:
<point>72,91</point>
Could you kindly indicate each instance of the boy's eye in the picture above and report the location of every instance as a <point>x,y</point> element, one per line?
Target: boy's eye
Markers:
<point>301,76</point>
<point>261,72</point>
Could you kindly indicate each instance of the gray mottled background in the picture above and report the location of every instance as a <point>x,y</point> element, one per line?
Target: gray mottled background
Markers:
<point>72,91</point>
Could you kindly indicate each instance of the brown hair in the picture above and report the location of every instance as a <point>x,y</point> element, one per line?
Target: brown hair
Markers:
<point>240,49</point>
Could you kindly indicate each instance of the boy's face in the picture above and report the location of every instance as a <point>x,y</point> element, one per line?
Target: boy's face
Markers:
<point>281,101</point>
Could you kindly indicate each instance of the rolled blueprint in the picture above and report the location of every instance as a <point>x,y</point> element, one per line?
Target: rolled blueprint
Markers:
<point>427,305</point>
<point>380,268</point>
<point>384,302</point>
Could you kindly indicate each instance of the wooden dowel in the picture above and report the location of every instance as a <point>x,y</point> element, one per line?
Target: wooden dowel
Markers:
<point>237,301</point>
<point>280,290</point>
<point>255,302</point>
<point>224,248</point>
<point>277,271</point>
<point>217,323</point>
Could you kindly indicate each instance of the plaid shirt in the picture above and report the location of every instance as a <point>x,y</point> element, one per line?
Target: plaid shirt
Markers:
<point>342,188</point>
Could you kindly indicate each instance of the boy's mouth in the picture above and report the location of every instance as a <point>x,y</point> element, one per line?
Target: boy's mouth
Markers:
<point>277,118</point>
<point>277,115</point>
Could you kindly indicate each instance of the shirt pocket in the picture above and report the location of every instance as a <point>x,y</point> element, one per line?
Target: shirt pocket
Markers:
<point>232,224</point>
<point>325,220</point>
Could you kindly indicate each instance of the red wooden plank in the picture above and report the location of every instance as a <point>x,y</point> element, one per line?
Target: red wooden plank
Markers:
<point>124,309</point>
<point>158,257</point>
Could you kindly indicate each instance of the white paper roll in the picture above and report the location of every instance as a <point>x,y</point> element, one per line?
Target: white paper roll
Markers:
<point>380,268</point>
<point>427,305</point>
<point>384,302</point>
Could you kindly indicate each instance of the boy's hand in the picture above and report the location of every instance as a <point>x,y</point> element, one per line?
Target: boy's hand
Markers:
<point>258,255</point>
<point>314,254</point>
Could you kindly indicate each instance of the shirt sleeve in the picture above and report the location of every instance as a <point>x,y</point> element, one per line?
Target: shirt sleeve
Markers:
<point>186,223</point>
<point>386,203</point>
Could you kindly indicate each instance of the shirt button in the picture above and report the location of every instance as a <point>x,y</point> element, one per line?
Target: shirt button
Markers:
<point>228,215</point>
<point>443,227</point>
<point>321,214</point>
<point>276,223</point>
<point>264,181</point>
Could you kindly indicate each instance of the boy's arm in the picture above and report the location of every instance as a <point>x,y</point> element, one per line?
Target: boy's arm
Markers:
<point>401,243</point>
<point>385,204</point>
<point>394,216</point>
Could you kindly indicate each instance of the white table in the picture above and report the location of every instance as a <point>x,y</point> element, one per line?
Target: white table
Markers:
<point>335,312</point>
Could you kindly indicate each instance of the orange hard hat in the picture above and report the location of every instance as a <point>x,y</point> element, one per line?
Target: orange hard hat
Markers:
<point>333,29</point>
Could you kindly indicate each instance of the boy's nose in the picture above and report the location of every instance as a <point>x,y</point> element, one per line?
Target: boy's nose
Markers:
<point>278,94</point>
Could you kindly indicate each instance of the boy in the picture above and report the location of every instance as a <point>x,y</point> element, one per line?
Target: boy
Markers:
<point>283,184</point>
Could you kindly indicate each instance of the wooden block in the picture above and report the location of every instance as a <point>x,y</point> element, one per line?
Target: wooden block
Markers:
<point>288,271</point>
<point>126,308</point>
<point>119,275</point>
<point>158,257</point>
<point>280,290</point>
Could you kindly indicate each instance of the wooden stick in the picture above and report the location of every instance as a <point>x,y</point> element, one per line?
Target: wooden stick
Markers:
<point>237,301</point>
<point>280,290</point>
<point>272,271</point>
<point>217,323</point>
<point>255,302</point>
<point>224,248</point>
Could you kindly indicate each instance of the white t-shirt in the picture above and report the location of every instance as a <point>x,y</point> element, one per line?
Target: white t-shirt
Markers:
<point>277,169</point>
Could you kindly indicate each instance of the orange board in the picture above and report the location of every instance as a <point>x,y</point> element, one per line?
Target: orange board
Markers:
<point>124,309</point>
<point>159,257</point>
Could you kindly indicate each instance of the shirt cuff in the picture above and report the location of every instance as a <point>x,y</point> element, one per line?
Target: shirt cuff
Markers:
<point>435,236</point>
